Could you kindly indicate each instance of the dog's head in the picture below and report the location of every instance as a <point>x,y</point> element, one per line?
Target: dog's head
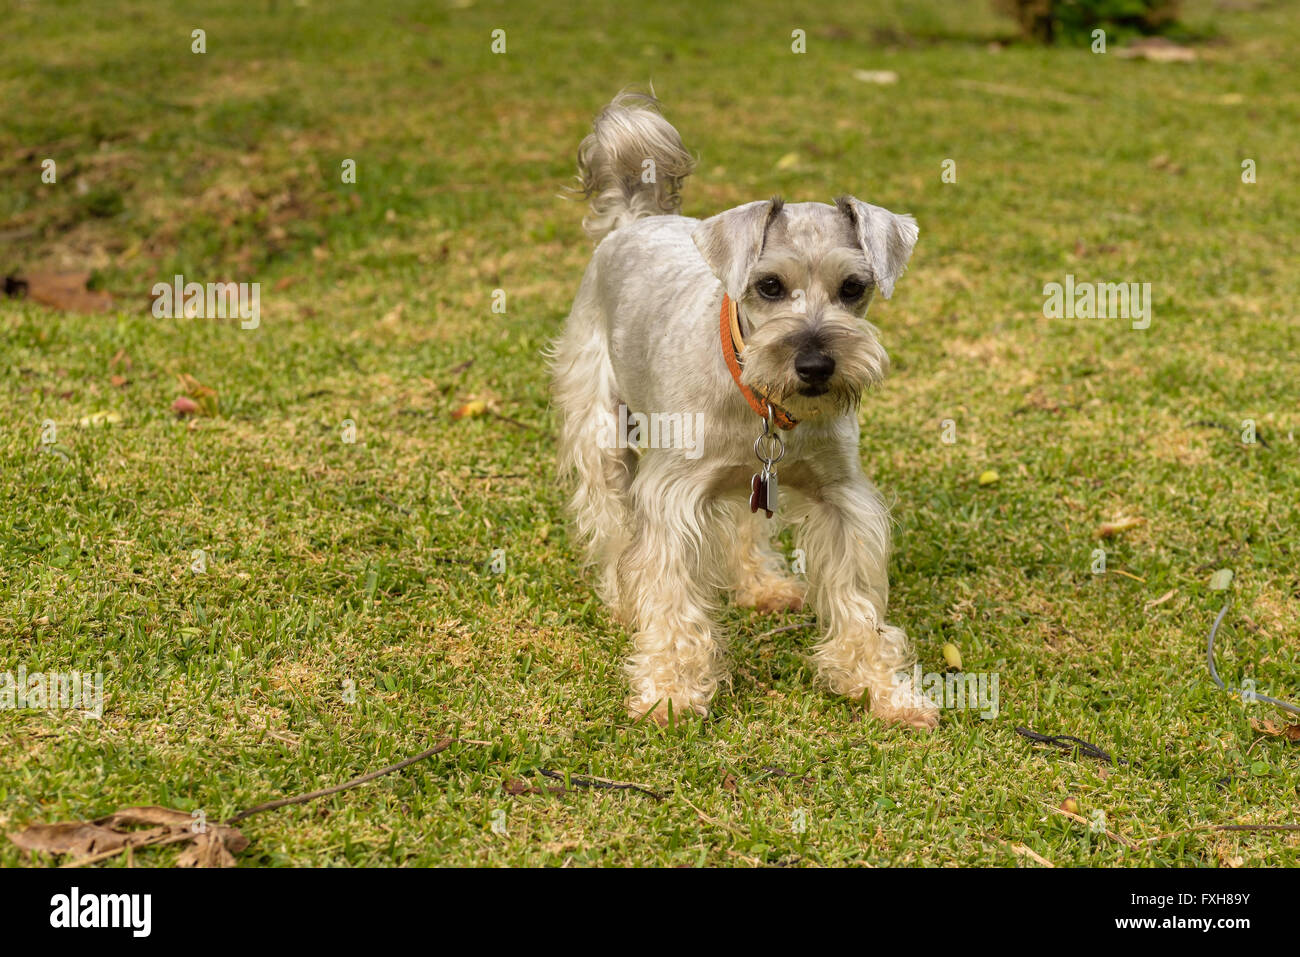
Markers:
<point>803,276</point>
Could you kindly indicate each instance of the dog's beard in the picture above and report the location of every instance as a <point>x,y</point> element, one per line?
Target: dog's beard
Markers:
<point>769,363</point>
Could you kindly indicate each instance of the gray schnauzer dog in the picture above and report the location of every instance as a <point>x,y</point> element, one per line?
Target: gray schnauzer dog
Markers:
<point>693,349</point>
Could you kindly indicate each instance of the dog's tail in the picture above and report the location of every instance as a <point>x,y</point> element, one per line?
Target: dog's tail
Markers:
<point>631,165</point>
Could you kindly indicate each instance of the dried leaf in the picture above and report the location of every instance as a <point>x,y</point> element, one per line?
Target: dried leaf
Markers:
<point>204,397</point>
<point>518,786</point>
<point>81,838</point>
<point>1120,525</point>
<point>1163,162</point>
<point>1157,50</point>
<point>99,418</point>
<point>149,814</point>
<point>213,846</point>
<point>66,291</point>
<point>1162,599</point>
<point>1221,580</point>
<point>470,409</point>
<point>1274,730</point>
<point>879,77</point>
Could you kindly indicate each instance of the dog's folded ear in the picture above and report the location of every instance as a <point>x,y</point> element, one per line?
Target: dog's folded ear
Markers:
<point>886,238</point>
<point>731,242</point>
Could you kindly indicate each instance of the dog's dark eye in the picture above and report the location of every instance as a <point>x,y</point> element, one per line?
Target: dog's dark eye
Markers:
<point>851,290</point>
<point>770,287</point>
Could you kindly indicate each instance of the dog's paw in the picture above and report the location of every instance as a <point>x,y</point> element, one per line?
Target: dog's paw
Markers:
<point>901,705</point>
<point>771,595</point>
<point>666,712</point>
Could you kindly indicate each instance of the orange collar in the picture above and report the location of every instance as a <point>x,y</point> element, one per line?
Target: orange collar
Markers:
<point>732,347</point>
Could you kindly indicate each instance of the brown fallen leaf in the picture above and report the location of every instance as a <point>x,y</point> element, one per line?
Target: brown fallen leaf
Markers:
<point>470,409</point>
<point>149,814</point>
<point>214,845</point>
<point>517,786</point>
<point>1163,162</point>
<point>204,396</point>
<point>1274,730</point>
<point>1123,524</point>
<point>118,381</point>
<point>1157,50</point>
<point>82,838</point>
<point>59,290</point>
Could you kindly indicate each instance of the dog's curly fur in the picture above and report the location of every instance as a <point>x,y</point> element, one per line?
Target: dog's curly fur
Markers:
<point>669,532</point>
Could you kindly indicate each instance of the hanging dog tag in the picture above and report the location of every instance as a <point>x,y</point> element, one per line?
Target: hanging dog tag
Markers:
<point>769,449</point>
<point>763,492</point>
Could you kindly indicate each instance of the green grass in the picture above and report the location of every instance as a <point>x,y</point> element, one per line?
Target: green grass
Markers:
<point>331,563</point>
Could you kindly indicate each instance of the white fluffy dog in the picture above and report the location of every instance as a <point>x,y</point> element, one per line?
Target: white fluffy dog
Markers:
<point>698,355</point>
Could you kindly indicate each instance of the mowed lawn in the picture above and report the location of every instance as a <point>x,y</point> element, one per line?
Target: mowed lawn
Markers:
<point>348,614</point>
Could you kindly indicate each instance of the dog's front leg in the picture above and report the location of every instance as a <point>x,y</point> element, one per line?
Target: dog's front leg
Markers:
<point>669,593</point>
<point>844,531</point>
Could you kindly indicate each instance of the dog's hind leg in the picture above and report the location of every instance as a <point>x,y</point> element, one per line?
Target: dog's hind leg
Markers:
<point>586,395</point>
<point>757,574</point>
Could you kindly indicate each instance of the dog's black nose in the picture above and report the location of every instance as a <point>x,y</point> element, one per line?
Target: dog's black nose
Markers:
<point>814,366</point>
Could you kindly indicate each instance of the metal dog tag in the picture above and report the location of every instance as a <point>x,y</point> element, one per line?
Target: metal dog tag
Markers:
<point>763,492</point>
<point>769,449</point>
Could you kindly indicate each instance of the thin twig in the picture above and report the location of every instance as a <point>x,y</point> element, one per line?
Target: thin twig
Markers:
<point>442,745</point>
<point>578,780</point>
<point>1257,827</point>
<point>1120,571</point>
<point>1069,742</point>
<point>1226,428</point>
<point>1223,827</point>
<point>1020,850</point>
<point>1127,842</point>
<point>515,422</point>
<point>795,627</point>
<point>711,820</point>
